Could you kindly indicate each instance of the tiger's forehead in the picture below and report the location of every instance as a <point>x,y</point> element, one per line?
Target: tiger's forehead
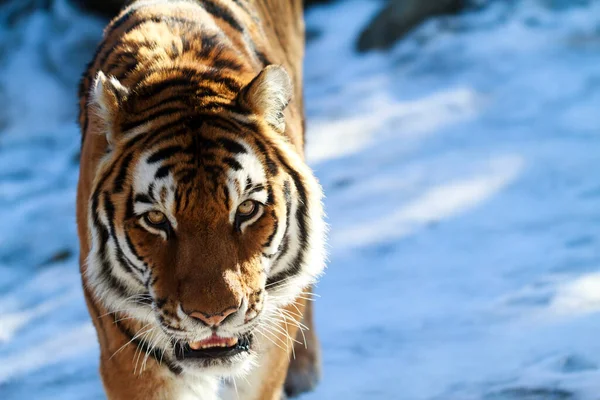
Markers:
<point>207,167</point>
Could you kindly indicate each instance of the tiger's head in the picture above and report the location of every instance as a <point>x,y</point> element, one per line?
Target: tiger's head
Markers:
<point>204,219</point>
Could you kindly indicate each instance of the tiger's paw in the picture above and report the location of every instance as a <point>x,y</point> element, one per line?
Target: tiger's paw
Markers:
<point>304,372</point>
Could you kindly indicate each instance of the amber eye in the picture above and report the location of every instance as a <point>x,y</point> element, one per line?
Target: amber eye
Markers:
<point>245,212</point>
<point>155,218</point>
<point>246,208</point>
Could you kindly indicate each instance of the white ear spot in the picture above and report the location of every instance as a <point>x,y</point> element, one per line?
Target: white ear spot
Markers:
<point>106,97</point>
<point>268,95</point>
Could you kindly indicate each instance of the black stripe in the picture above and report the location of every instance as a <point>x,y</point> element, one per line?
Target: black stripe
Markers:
<point>113,282</point>
<point>145,92</point>
<point>131,266</point>
<point>287,195</point>
<point>167,111</point>
<point>142,198</point>
<point>157,137</point>
<point>134,252</point>
<point>233,164</point>
<point>109,208</point>
<point>170,101</point>
<point>163,171</point>
<point>215,171</point>
<point>258,188</point>
<point>222,13</point>
<point>165,153</point>
<point>187,77</point>
<point>160,302</point>
<point>275,229</point>
<point>185,44</point>
<point>209,43</point>
<point>205,91</point>
<point>178,198</point>
<point>215,76</point>
<point>226,194</point>
<point>104,236</point>
<point>222,123</point>
<point>271,165</point>
<point>269,195</point>
<point>262,57</point>
<point>120,21</point>
<point>227,63</point>
<point>151,191</point>
<point>187,196</point>
<point>122,175</point>
<point>147,282</point>
<point>231,146</point>
<point>186,175</point>
<point>127,63</point>
<point>129,210</point>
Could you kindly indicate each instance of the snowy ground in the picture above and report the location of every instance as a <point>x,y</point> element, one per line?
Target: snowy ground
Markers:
<point>462,171</point>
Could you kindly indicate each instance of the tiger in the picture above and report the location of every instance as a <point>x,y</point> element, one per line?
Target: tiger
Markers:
<point>201,226</point>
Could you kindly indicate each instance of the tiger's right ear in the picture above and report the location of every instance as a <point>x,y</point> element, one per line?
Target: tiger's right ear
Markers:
<point>106,97</point>
<point>268,94</point>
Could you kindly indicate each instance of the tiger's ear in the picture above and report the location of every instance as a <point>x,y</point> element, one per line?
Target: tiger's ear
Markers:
<point>106,97</point>
<point>268,95</point>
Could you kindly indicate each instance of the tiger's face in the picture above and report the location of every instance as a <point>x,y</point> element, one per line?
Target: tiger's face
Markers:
<point>203,224</point>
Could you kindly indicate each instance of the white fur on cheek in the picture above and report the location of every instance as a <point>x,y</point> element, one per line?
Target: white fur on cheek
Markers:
<point>313,262</point>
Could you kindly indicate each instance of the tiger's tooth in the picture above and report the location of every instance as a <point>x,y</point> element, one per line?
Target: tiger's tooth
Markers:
<point>217,342</point>
<point>195,345</point>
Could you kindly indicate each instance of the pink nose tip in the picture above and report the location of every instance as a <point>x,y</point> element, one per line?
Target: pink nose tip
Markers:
<point>213,319</point>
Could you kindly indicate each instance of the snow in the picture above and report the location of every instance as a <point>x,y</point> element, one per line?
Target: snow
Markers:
<point>460,169</point>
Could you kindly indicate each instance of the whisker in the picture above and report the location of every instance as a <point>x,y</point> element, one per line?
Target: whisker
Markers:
<point>293,316</point>
<point>281,330</point>
<point>139,351</point>
<point>288,336</point>
<point>237,394</point>
<point>268,338</point>
<point>154,343</point>
<point>279,281</point>
<point>132,339</point>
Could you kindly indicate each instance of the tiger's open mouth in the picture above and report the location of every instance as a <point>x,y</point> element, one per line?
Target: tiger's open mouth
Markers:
<point>213,348</point>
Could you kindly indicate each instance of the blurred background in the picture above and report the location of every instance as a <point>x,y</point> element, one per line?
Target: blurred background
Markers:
<point>458,144</point>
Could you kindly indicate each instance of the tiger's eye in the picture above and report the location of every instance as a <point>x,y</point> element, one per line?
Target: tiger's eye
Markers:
<point>247,207</point>
<point>156,218</point>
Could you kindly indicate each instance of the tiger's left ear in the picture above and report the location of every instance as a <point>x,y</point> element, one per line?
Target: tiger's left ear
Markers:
<point>268,95</point>
<point>106,97</point>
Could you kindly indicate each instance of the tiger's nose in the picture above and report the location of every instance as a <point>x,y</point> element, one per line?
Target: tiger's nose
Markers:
<point>213,320</point>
